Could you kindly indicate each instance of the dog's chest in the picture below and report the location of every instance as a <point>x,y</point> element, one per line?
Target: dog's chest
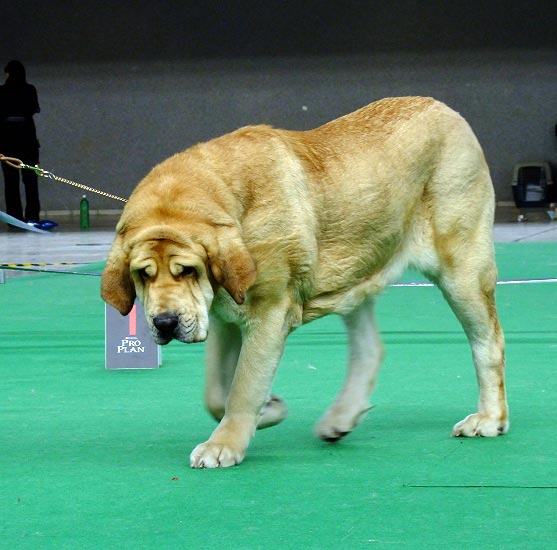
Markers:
<point>226,309</point>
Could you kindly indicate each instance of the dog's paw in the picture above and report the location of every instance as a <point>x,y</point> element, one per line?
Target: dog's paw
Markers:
<point>480,425</point>
<point>335,424</point>
<point>273,412</point>
<point>215,455</point>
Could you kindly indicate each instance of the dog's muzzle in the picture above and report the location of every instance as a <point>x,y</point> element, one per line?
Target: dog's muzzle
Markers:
<point>165,325</point>
<point>166,322</point>
<point>168,326</point>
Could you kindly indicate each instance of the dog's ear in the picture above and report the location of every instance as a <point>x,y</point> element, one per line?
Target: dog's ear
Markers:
<point>231,263</point>
<point>117,288</point>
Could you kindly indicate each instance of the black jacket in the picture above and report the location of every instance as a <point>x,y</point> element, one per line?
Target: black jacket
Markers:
<point>18,104</point>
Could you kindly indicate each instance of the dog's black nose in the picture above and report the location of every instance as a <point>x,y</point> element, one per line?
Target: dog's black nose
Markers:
<point>166,322</point>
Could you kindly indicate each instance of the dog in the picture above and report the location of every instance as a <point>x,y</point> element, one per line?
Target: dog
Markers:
<point>241,239</point>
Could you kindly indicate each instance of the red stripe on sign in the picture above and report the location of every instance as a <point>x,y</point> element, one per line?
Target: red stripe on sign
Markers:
<point>133,321</point>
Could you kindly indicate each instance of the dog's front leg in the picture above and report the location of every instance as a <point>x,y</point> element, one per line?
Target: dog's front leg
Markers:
<point>262,346</point>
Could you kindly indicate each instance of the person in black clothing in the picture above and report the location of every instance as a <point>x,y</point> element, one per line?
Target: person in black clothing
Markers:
<point>18,138</point>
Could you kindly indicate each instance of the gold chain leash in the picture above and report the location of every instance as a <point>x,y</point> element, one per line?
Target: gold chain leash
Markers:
<point>16,163</point>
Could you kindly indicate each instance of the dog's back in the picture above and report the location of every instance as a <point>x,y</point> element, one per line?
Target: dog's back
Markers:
<point>400,182</point>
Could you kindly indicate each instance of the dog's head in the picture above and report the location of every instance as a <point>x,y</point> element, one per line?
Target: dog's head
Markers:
<point>176,272</point>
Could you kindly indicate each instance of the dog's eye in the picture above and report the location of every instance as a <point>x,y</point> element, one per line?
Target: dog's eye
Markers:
<point>188,270</point>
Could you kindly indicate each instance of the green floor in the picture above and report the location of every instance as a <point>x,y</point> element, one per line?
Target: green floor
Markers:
<point>97,459</point>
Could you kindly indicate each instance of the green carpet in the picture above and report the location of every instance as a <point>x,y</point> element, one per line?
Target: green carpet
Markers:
<point>99,459</point>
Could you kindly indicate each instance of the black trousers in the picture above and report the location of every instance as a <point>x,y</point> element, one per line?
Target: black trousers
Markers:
<point>12,194</point>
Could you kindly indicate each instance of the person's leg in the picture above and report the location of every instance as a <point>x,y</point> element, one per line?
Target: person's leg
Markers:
<point>30,181</point>
<point>11,191</point>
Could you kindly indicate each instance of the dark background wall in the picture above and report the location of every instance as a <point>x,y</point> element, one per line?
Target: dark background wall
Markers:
<point>122,85</point>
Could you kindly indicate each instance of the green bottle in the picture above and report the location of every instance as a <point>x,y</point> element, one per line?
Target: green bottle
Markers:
<point>84,213</point>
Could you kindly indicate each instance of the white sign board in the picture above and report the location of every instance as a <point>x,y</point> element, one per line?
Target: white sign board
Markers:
<point>128,340</point>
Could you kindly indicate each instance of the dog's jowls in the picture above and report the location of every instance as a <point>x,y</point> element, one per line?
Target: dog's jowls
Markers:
<point>244,238</point>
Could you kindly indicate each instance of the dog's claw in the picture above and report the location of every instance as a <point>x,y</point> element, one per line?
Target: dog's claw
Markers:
<point>336,436</point>
<point>272,413</point>
<point>480,425</point>
<point>213,455</point>
<point>335,425</point>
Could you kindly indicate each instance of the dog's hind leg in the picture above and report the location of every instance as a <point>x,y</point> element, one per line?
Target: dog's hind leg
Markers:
<point>366,354</point>
<point>223,350</point>
<point>469,287</point>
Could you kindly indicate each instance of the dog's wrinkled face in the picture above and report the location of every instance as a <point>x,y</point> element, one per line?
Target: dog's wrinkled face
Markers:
<point>176,273</point>
<point>173,283</point>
